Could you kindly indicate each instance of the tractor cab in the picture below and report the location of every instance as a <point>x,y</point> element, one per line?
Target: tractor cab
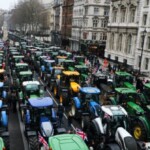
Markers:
<point>60,59</point>
<point>67,141</point>
<point>68,64</point>
<point>79,60</point>
<point>17,58</point>
<point>83,70</point>
<point>123,79</point>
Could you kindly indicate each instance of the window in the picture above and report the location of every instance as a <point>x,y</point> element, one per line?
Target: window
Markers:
<point>146,63</point>
<point>132,15</point>
<point>96,10</point>
<point>85,34</point>
<point>129,44</point>
<point>112,41</point>
<point>115,16</point>
<point>95,23</point>
<point>148,42</point>
<point>123,15</point>
<point>144,19</point>
<point>104,23</point>
<point>94,36</point>
<point>120,42</point>
<point>86,10</point>
<point>106,12</point>
<point>146,2</point>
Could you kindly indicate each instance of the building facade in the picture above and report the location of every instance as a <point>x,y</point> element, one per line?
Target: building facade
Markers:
<point>122,31</point>
<point>67,13</point>
<point>142,55</point>
<point>56,32</point>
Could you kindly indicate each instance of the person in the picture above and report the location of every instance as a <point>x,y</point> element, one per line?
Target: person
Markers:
<point>60,112</point>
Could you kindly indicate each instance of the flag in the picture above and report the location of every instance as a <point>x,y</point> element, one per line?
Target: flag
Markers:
<point>81,134</point>
<point>43,141</point>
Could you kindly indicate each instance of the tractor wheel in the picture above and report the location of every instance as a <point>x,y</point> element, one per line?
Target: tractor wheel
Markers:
<point>73,110</point>
<point>33,143</point>
<point>112,147</point>
<point>6,142</point>
<point>139,130</point>
<point>85,122</point>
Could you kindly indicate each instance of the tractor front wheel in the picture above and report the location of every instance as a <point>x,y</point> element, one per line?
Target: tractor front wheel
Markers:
<point>6,142</point>
<point>139,130</point>
<point>33,143</point>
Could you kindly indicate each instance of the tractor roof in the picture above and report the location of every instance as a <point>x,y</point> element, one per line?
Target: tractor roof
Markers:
<point>61,57</point>
<point>21,64</point>
<point>81,66</point>
<point>18,56</point>
<point>147,85</point>
<point>67,142</point>
<point>41,102</point>
<point>70,73</point>
<point>121,73</point>
<point>30,82</point>
<point>90,90</point>
<point>49,61</point>
<point>69,60</point>
<point>58,67</point>
<point>25,72</point>
<point>116,110</point>
<point>79,57</point>
<point>125,90</point>
<point>43,56</point>
<point>2,70</point>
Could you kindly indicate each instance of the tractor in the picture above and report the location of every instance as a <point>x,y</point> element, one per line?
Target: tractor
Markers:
<point>79,60</point>
<point>138,110</point>
<point>123,79</point>
<point>4,124</point>
<point>60,59</point>
<point>146,91</point>
<point>67,86</point>
<point>39,118</point>
<point>109,131</point>
<point>54,76</point>
<point>84,72</point>
<point>68,64</point>
<point>86,104</point>
<point>66,141</point>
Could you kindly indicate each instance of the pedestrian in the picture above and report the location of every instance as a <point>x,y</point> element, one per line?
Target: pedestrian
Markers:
<point>60,112</point>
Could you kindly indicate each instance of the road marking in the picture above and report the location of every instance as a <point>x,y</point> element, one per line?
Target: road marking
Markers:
<point>57,104</point>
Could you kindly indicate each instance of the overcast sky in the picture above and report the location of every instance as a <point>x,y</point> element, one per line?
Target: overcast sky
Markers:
<point>8,4</point>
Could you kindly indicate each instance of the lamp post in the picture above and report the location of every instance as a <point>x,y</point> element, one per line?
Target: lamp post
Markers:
<point>143,39</point>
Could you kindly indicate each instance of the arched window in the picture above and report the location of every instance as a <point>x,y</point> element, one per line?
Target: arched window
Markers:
<point>120,42</point>
<point>129,44</point>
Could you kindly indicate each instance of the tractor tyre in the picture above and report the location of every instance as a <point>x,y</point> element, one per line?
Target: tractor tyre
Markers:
<point>139,130</point>
<point>33,143</point>
<point>112,147</point>
<point>85,122</point>
<point>73,110</point>
<point>64,98</point>
<point>6,142</point>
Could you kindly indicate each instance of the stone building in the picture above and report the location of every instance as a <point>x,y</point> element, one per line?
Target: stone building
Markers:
<point>67,12</point>
<point>143,39</point>
<point>123,30</point>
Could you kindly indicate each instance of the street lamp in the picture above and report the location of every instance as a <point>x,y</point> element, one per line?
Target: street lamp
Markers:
<point>143,39</point>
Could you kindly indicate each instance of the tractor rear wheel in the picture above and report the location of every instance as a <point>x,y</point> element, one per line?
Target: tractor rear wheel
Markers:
<point>139,130</point>
<point>85,122</point>
<point>6,142</point>
<point>73,110</point>
<point>33,143</point>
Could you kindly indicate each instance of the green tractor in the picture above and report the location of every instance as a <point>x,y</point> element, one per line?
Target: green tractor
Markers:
<point>83,70</point>
<point>68,64</point>
<point>79,60</point>
<point>123,79</point>
<point>146,91</point>
<point>67,86</point>
<point>66,142</point>
<point>138,110</point>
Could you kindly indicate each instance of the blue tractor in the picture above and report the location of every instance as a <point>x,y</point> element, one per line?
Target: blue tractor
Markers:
<point>39,118</point>
<point>86,105</point>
